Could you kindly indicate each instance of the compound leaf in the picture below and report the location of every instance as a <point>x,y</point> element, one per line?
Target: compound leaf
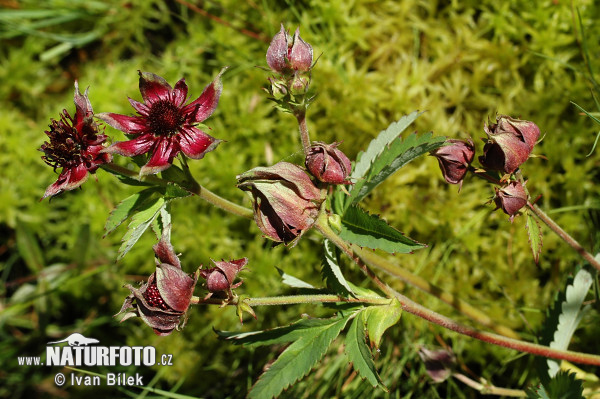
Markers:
<point>331,272</point>
<point>359,354</point>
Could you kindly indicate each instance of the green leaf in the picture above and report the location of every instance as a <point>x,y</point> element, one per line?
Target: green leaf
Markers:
<point>380,318</point>
<point>128,207</point>
<point>564,385</point>
<point>360,228</point>
<point>359,354</point>
<point>571,313</point>
<point>331,272</point>
<point>173,191</point>
<point>278,335</point>
<point>298,359</point>
<point>386,154</point>
<point>140,221</point>
<point>29,248</point>
<point>534,233</point>
<point>293,281</point>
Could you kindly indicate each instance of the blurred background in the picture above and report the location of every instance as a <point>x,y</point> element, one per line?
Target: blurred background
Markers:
<point>462,62</point>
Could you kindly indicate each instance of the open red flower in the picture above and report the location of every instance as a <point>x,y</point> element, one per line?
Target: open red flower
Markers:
<point>165,126</point>
<point>75,146</point>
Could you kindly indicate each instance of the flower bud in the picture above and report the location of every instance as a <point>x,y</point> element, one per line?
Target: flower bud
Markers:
<point>454,159</point>
<point>287,54</point>
<point>221,277</point>
<point>511,198</point>
<point>162,301</point>
<point>286,201</point>
<point>301,54</point>
<point>327,163</point>
<point>510,141</point>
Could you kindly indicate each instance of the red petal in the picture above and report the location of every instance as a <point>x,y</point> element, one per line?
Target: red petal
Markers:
<point>205,105</point>
<point>195,143</point>
<point>137,146</point>
<point>165,253</point>
<point>153,87</point>
<point>175,286</point>
<point>124,123</point>
<point>180,93</point>
<point>162,156</point>
<point>69,179</point>
<point>141,108</point>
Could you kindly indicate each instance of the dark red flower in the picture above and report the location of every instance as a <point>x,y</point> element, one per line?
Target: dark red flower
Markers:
<point>165,126</point>
<point>511,198</point>
<point>510,141</point>
<point>162,301</point>
<point>454,159</point>
<point>327,163</point>
<point>75,146</point>
<point>286,201</point>
<point>221,277</point>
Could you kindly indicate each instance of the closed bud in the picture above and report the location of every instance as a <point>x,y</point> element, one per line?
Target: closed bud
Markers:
<point>510,141</point>
<point>287,54</point>
<point>222,276</point>
<point>454,159</point>
<point>511,198</point>
<point>301,54</point>
<point>327,163</point>
<point>286,201</point>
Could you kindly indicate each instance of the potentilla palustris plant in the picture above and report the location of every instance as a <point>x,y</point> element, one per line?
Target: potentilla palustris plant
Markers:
<point>320,195</point>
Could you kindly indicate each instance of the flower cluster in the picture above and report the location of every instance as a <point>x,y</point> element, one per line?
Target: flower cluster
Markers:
<point>509,144</point>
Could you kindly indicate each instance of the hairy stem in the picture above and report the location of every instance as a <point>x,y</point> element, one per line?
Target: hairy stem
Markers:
<point>489,389</point>
<point>292,300</point>
<point>304,136</point>
<point>457,303</point>
<point>418,310</point>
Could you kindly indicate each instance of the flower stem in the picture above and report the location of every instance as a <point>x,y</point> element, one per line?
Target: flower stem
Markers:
<point>563,235</point>
<point>489,389</point>
<point>431,316</point>
<point>293,300</point>
<point>523,346</point>
<point>301,117</point>
<point>193,188</point>
<point>399,272</point>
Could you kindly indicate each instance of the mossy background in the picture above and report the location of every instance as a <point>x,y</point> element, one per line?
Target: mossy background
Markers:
<point>460,61</point>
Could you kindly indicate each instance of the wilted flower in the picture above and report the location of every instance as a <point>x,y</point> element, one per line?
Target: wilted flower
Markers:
<point>162,301</point>
<point>165,126</point>
<point>438,363</point>
<point>454,159</point>
<point>510,141</point>
<point>221,277</point>
<point>511,198</point>
<point>75,146</point>
<point>327,163</point>
<point>286,54</point>
<point>286,201</point>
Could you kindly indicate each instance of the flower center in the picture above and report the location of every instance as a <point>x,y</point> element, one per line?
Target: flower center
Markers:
<point>152,296</point>
<point>165,118</point>
<point>65,148</point>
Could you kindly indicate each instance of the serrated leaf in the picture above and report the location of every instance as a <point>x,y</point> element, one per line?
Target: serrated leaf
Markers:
<point>380,318</point>
<point>140,221</point>
<point>534,233</point>
<point>360,228</point>
<point>297,360</point>
<point>278,335</point>
<point>564,385</point>
<point>162,222</point>
<point>331,272</point>
<point>571,313</point>
<point>174,191</point>
<point>359,354</point>
<point>126,208</point>
<point>293,281</point>
<point>380,143</point>
<point>398,154</point>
